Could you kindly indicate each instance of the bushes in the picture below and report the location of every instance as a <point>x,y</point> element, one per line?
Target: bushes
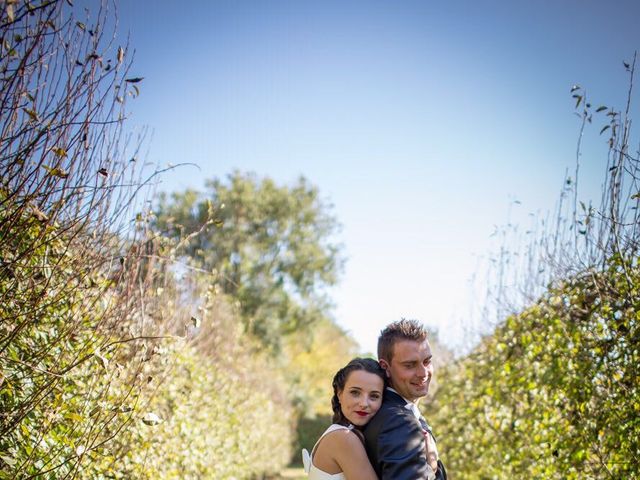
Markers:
<point>213,423</point>
<point>78,400</point>
<point>103,371</point>
<point>222,406</point>
<point>553,393</point>
<point>58,394</point>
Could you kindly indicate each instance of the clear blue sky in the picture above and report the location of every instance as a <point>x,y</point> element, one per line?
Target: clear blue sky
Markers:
<point>421,121</point>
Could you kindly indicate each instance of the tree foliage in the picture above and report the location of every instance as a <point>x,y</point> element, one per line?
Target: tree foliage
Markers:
<point>313,358</point>
<point>271,247</point>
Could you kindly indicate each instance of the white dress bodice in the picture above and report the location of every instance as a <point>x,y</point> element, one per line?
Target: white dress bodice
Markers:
<point>314,472</point>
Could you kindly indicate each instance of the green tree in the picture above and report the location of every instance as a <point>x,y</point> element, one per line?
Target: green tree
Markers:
<point>270,247</point>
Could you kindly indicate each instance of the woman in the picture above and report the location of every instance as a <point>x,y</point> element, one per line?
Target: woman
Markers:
<point>339,454</point>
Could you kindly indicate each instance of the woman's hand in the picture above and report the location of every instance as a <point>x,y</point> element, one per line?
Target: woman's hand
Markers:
<point>432,451</point>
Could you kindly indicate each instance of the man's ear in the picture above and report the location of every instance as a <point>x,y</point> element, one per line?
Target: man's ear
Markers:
<point>385,365</point>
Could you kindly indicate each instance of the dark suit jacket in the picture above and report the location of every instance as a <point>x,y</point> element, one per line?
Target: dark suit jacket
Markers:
<point>395,442</point>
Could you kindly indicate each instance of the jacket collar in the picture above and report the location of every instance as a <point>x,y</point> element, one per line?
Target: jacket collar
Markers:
<point>392,396</point>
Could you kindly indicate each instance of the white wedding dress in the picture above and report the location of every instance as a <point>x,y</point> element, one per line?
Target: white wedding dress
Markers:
<point>314,472</point>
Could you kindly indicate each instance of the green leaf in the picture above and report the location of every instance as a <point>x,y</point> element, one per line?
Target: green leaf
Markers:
<point>8,460</point>
<point>578,100</point>
<point>60,152</point>
<point>104,362</point>
<point>151,419</point>
<point>134,79</point>
<point>32,114</point>
<point>601,108</point>
<point>604,128</point>
<point>56,172</point>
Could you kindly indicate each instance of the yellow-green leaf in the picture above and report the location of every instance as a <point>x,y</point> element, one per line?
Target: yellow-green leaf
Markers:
<point>10,12</point>
<point>32,114</point>
<point>56,172</point>
<point>60,152</point>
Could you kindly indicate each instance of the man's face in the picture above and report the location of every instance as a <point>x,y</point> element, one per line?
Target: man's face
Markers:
<point>410,369</point>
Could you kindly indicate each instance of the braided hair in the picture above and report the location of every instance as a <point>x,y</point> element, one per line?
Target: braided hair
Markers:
<point>340,379</point>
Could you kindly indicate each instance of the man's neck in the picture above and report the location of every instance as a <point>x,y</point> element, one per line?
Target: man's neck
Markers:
<point>416,401</point>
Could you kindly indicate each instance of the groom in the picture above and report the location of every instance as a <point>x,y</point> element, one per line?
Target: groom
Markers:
<point>398,440</point>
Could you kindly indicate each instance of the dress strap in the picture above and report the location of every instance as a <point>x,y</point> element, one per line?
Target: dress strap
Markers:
<point>332,428</point>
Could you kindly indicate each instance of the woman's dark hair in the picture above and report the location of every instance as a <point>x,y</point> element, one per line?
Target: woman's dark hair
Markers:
<point>340,379</point>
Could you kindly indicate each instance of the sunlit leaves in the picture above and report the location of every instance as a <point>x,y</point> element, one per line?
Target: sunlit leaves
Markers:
<point>151,419</point>
<point>554,384</point>
<point>56,171</point>
<point>60,152</point>
<point>33,115</point>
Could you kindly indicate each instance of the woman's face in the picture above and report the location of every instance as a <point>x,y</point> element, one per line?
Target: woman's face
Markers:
<point>361,397</point>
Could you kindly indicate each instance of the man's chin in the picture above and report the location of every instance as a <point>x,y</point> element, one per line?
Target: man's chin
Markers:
<point>420,392</point>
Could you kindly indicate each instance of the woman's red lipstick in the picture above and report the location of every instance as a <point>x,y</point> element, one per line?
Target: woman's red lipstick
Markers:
<point>362,414</point>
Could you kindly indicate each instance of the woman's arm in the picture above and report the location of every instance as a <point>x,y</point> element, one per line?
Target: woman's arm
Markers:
<point>350,455</point>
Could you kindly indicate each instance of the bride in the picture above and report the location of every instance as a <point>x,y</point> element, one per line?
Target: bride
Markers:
<point>339,454</point>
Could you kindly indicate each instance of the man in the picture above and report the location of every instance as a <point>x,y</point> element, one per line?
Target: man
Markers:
<point>398,440</point>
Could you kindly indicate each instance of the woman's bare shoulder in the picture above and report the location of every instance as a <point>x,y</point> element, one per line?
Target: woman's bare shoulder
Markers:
<point>343,438</point>
<point>351,457</point>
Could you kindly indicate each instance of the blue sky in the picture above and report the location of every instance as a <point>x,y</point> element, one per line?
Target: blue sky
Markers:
<point>420,121</point>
